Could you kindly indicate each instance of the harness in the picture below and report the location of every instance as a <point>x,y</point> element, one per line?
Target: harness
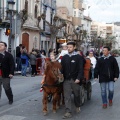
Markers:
<point>56,83</point>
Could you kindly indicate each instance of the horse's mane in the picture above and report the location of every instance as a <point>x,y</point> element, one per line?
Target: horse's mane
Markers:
<point>49,70</point>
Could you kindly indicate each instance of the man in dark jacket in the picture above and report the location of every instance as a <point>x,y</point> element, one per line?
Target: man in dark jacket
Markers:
<point>72,69</point>
<point>108,71</point>
<point>7,66</point>
<point>18,57</point>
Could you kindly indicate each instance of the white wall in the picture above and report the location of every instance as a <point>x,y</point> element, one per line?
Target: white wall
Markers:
<point>3,37</point>
<point>66,3</point>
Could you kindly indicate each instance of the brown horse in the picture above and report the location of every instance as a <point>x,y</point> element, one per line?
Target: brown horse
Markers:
<point>51,85</point>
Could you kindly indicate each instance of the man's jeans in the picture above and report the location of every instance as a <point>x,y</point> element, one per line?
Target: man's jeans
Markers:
<point>18,60</point>
<point>104,87</point>
<point>24,69</point>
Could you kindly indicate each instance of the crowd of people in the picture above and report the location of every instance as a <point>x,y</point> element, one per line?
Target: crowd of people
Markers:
<point>104,68</point>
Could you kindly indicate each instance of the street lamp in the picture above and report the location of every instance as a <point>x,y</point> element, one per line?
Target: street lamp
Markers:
<point>10,10</point>
<point>99,39</point>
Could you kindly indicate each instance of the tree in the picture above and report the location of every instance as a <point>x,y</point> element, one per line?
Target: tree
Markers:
<point>110,41</point>
<point>54,29</point>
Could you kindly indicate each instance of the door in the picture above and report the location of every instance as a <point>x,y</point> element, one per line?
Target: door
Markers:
<point>25,40</point>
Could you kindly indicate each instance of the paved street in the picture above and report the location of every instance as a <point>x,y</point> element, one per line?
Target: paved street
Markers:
<point>28,103</point>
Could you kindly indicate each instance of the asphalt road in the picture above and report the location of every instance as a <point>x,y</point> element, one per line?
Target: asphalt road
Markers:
<point>28,103</point>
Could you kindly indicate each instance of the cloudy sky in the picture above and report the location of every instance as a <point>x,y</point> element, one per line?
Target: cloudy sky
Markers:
<point>103,10</point>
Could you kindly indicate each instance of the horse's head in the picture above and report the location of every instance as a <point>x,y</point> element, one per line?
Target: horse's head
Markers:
<point>52,71</point>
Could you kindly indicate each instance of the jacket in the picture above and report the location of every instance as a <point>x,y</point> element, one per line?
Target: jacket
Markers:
<point>24,59</point>
<point>32,59</point>
<point>107,69</point>
<point>72,67</point>
<point>7,64</point>
<point>18,52</point>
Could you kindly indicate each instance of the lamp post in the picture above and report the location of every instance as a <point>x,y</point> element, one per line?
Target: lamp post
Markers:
<point>78,38</point>
<point>99,39</point>
<point>10,11</point>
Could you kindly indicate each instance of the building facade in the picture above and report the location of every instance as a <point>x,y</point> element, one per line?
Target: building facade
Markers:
<point>102,29</point>
<point>64,34</point>
<point>48,7</point>
<point>5,23</point>
<point>30,32</point>
<point>87,25</point>
<point>117,35</point>
<point>75,8</point>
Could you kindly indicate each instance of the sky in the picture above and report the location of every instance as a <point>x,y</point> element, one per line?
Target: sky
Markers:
<point>103,10</point>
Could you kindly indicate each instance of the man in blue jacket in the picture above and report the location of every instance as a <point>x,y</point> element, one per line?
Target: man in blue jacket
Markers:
<point>72,69</point>
<point>108,72</point>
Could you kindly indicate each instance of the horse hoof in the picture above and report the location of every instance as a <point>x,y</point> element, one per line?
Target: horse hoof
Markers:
<point>45,113</point>
<point>54,111</point>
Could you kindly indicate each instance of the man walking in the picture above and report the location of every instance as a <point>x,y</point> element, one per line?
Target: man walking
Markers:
<point>108,71</point>
<point>72,69</point>
<point>7,66</point>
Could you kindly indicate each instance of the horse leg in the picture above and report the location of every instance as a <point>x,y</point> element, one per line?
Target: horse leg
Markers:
<point>55,102</point>
<point>58,100</point>
<point>45,102</point>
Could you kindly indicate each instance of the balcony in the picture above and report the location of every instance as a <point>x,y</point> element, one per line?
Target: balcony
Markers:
<point>77,5</point>
<point>77,21</point>
<point>109,31</point>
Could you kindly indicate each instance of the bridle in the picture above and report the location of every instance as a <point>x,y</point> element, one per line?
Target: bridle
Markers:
<point>56,83</point>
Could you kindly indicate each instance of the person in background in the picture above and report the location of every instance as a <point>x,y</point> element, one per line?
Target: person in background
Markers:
<point>64,51</point>
<point>7,67</point>
<point>50,51</point>
<point>107,70</point>
<point>33,59</point>
<point>18,57</point>
<point>43,51</point>
<point>24,61</point>
<point>93,62</point>
<point>87,53</point>
<point>81,54</point>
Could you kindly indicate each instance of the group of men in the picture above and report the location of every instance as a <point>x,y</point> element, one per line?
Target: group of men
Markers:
<point>106,70</point>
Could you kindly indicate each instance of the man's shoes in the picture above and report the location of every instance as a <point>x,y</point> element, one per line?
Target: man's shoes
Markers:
<point>78,110</point>
<point>10,102</point>
<point>104,106</point>
<point>110,103</point>
<point>67,115</point>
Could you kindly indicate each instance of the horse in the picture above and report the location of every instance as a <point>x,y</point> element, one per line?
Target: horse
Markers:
<point>52,86</point>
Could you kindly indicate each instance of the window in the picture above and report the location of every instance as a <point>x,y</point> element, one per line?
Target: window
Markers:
<point>17,5</point>
<point>44,11</point>
<point>36,11</point>
<point>68,29</point>
<point>74,13</point>
<point>51,17</point>
<point>26,5</point>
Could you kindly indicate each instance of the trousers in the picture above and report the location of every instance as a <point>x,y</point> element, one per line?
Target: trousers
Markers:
<point>104,87</point>
<point>6,85</point>
<point>70,87</point>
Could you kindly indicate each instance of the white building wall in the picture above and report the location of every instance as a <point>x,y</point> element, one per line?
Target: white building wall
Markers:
<point>66,3</point>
